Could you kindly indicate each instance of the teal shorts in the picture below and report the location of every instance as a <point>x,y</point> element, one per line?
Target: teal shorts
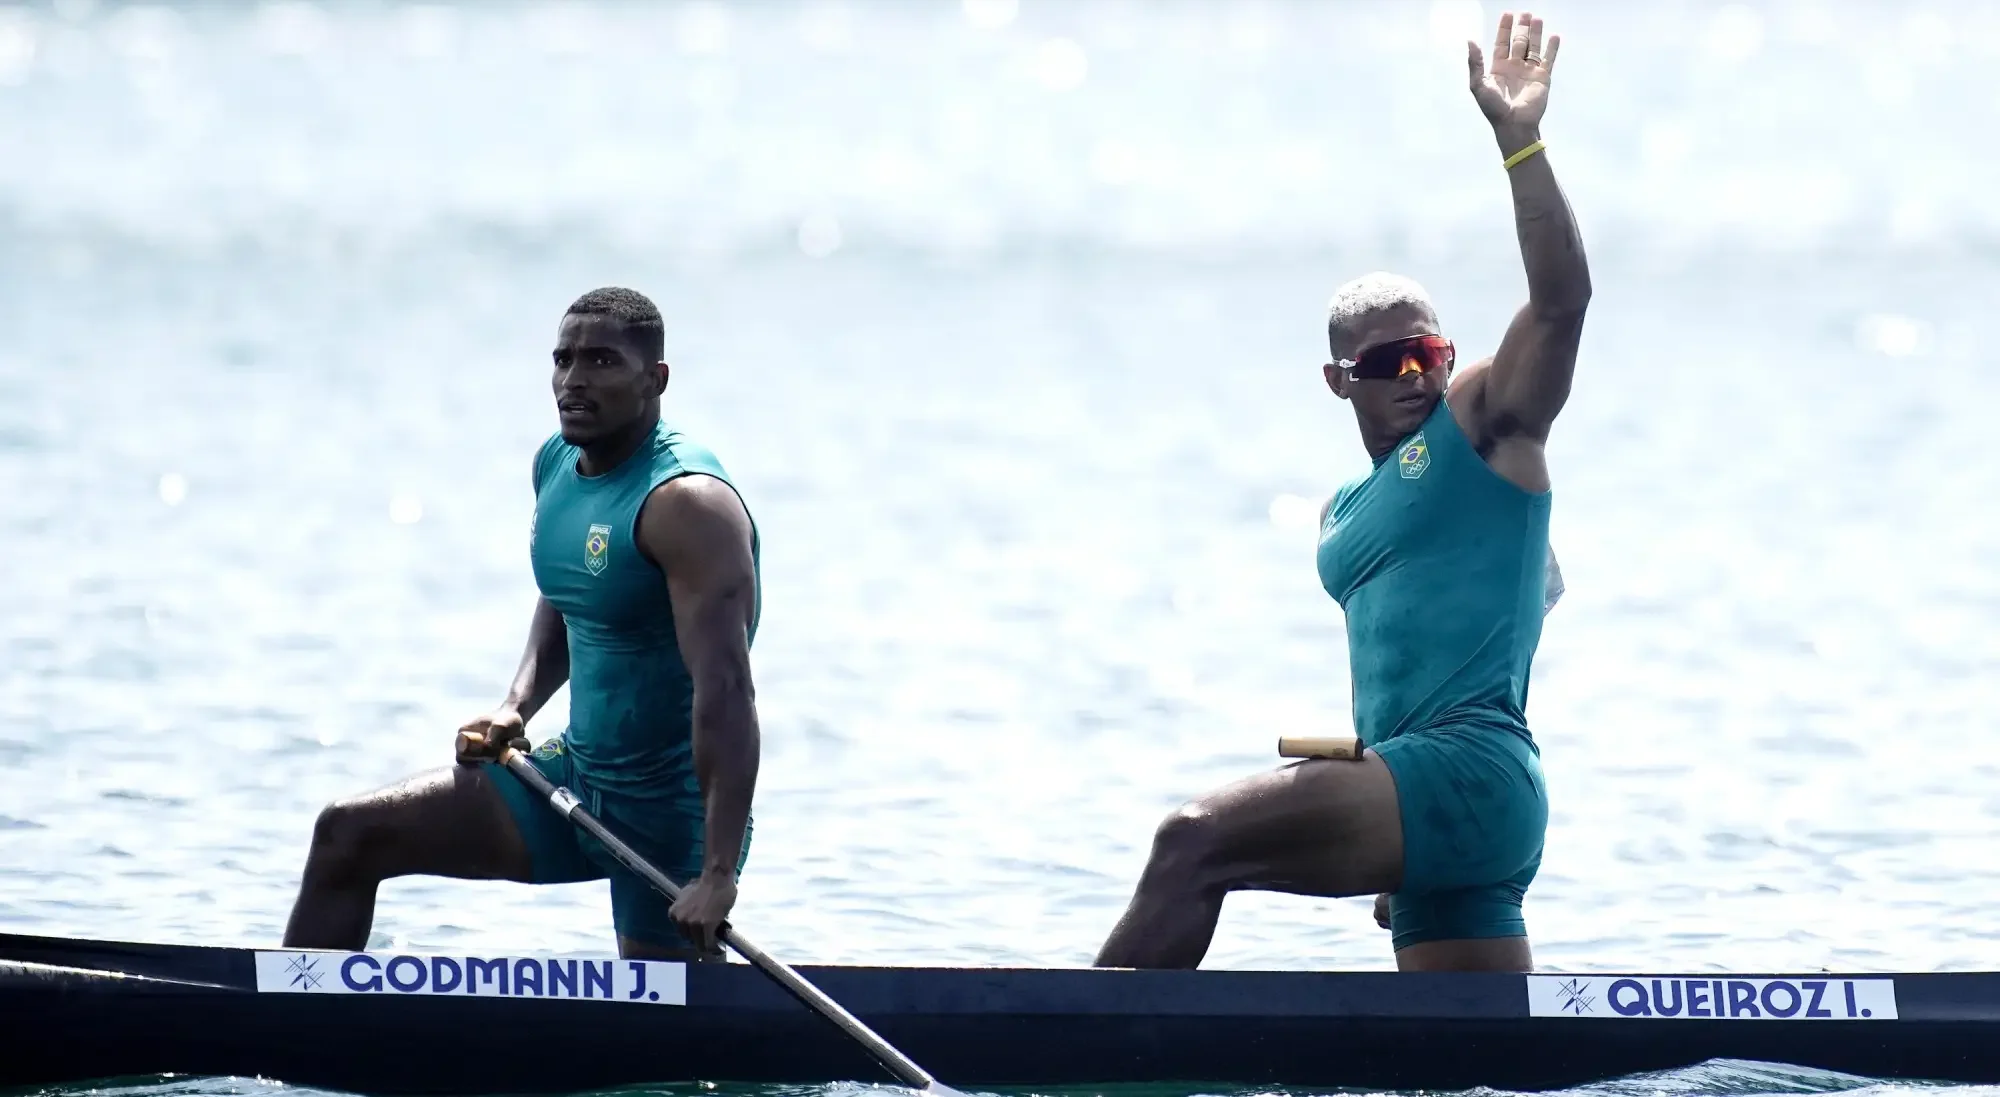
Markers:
<point>1474,813</point>
<point>665,832</point>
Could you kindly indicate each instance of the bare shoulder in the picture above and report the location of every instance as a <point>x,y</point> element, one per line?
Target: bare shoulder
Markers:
<point>692,514</point>
<point>696,493</point>
<point>1467,395</point>
<point>1471,376</point>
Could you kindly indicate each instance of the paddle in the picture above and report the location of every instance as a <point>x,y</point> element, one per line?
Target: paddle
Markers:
<point>909,1073</point>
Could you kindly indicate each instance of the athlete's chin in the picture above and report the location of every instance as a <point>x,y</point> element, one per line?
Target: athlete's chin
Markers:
<point>1401,417</point>
<point>579,434</point>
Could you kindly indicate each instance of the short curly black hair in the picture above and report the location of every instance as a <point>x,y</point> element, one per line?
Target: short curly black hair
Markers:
<point>634,313</point>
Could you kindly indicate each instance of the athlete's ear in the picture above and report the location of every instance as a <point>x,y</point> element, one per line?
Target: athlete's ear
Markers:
<point>1336,379</point>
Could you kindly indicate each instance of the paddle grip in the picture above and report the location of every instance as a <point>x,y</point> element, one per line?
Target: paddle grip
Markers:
<point>473,741</point>
<point>514,757</point>
<point>1342,747</point>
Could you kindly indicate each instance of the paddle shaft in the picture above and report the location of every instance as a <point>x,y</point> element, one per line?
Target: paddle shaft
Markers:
<point>907,1072</point>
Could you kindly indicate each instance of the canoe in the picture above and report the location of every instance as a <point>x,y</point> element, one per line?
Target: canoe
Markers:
<point>453,1023</point>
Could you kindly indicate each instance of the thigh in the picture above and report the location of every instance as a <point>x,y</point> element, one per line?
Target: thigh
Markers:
<point>1474,812</point>
<point>670,840</point>
<point>1473,808</point>
<point>640,916</point>
<point>1464,929</point>
<point>448,822</point>
<point>553,845</point>
<point>1319,827</point>
<point>1423,921</point>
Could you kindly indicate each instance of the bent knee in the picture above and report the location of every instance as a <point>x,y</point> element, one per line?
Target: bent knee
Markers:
<point>1185,839</point>
<point>347,840</point>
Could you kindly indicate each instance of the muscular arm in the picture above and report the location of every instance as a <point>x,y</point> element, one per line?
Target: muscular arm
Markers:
<point>544,666</point>
<point>696,530</point>
<point>1530,376</point>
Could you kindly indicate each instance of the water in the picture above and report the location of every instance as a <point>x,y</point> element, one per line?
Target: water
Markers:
<point>1006,317</point>
<point>1722,1078</point>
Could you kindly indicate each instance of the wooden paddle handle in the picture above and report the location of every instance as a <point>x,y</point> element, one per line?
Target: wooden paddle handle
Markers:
<point>1342,747</point>
<point>472,740</point>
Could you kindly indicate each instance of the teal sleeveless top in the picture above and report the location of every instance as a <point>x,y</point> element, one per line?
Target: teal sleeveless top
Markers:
<point>1442,568</point>
<point>631,718</point>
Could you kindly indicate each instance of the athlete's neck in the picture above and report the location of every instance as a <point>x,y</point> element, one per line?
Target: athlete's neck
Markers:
<point>1381,439</point>
<point>609,452</point>
<point>1380,442</point>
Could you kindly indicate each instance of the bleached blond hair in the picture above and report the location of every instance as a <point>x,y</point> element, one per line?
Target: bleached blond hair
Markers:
<point>1376,291</point>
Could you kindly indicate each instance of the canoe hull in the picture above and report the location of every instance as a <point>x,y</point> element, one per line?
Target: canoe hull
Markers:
<point>969,1026</point>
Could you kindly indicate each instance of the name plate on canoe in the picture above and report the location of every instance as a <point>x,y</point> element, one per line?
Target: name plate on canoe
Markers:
<point>591,979</point>
<point>1712,998</point>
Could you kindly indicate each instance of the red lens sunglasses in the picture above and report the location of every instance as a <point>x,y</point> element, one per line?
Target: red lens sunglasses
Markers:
<point>1388,361</point>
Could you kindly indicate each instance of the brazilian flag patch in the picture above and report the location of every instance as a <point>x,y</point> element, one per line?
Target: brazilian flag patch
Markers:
<point>1414,457</point>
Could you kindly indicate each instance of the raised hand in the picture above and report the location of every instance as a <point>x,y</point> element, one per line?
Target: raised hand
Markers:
<point>1515,91</point>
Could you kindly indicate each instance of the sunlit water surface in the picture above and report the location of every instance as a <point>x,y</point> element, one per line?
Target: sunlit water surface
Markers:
<point>1007,320</point>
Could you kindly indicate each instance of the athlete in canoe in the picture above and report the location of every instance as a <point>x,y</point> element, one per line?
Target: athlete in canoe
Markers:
<point>647,563</point>
<point>1439,558</point>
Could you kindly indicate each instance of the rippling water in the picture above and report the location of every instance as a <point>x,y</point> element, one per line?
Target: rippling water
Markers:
<point>1007,319</point>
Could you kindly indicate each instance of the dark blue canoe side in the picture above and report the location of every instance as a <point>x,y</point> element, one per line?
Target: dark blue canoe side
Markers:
<point>971,1027</point>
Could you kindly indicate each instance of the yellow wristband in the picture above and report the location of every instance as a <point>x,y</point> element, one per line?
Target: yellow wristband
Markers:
<point>1520,156</point>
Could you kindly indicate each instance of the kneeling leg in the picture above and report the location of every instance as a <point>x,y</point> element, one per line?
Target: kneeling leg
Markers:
<point>449,822</point>
<point>1321,827</point>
